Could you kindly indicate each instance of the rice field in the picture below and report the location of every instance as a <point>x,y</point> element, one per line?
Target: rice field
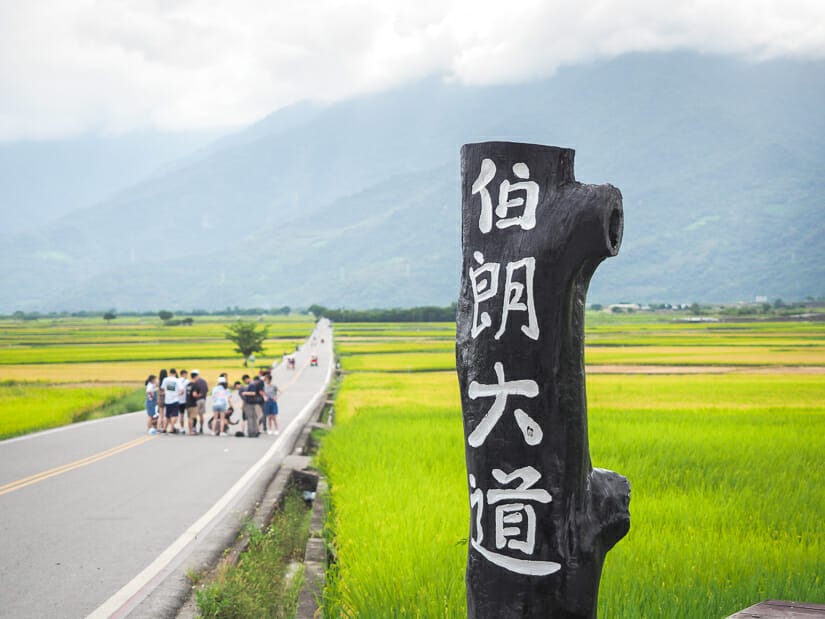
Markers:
<point>54,372</point>
<point>86,340</point>
<point>400,362</point>
<point>728,487</point>
<point>655,344</point>
<point>31,406</point>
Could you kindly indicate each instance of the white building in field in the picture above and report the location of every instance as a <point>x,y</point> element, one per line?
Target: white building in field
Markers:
<point>623,307</point>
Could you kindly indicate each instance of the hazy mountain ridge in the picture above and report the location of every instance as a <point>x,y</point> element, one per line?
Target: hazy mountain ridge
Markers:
<point>357,204</point>
<point>43,180</point>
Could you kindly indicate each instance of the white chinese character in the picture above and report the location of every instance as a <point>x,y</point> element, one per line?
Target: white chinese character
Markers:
<point>515,512</point>
<point>527,219</point>
<point>477,503</point>
<point>500,391</point>
<point>518,297</point>
<point>485,175</point>
<point>515,521</point>
<point>485,286</point>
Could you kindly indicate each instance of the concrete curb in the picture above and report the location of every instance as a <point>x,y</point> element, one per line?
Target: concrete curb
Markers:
<point>179,599</point>
<point>315,557</point>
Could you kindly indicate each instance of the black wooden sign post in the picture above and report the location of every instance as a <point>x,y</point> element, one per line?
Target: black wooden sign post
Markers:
<point>542,519</point>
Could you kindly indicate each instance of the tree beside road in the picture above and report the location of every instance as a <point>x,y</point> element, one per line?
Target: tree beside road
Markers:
<point>248,339</point>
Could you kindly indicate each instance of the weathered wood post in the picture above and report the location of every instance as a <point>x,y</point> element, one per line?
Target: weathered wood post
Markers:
<point>542,519</point>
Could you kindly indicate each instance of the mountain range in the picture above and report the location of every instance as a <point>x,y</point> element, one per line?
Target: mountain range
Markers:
<point>357,204</point>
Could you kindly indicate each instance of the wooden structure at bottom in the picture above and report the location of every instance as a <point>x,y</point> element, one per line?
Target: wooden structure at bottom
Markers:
<point>776,609</point>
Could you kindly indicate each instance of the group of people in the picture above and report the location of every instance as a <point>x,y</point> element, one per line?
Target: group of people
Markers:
<point>176,403</point>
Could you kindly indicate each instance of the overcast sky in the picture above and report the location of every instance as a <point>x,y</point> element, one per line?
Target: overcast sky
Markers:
<point>111,66</point>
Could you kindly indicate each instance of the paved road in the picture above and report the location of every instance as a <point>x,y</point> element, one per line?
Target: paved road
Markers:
<point>92,514</point>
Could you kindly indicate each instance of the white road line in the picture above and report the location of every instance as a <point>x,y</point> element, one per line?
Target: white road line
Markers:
<point>136,586</point>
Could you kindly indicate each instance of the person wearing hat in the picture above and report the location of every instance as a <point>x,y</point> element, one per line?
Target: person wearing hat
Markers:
<point>199,391</point>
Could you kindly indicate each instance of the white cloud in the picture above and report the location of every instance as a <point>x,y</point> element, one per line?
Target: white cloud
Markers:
<point>70,66</point>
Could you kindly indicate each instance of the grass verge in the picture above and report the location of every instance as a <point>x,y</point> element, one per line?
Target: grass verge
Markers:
<point>258,585</point>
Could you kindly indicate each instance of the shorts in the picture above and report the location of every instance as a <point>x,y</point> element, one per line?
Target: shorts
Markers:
<point>220,408</point>
<point>150,407</point>
<point>201,407</point>
<point>172,410</point>
<point>271,407</point>
<point>192,411</point>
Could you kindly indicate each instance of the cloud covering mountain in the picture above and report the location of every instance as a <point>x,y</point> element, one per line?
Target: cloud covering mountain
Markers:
<point>69,67</point>
<point>357,203</point>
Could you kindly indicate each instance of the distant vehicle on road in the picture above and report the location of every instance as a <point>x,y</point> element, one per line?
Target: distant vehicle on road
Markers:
<point>313,360</point>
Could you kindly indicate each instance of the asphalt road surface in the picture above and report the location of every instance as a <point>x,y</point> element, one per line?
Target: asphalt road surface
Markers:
<point>93,515</point>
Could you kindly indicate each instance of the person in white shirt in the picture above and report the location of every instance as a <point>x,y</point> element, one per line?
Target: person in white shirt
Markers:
<point>183,383</point>
<point>220,405</point>
<point>170,388</point>
<point>151,403</point>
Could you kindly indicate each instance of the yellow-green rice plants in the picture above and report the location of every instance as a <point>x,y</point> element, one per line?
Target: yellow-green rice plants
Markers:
<point>399,497</point>
<point>131,372</point>
<point>727,475</point>
<point>705,355</point>
<point>399,329</point>
<point>399,362</point>
<point>354,346</point>
<point>27,407</point>
<point>728,494</point>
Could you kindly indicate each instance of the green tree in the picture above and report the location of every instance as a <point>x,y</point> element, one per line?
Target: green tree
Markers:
<point>317,310</point>
<point>165,315</point>
<point>248,339</point>
<point>109,316</point>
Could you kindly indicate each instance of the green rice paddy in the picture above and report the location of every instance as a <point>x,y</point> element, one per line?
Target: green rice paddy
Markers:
<point>728,498</point>
<point>31,406</point>
<point>728,486</point>
<point>54,372</point>
<point>369,349</point>
<point>86,340</point>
